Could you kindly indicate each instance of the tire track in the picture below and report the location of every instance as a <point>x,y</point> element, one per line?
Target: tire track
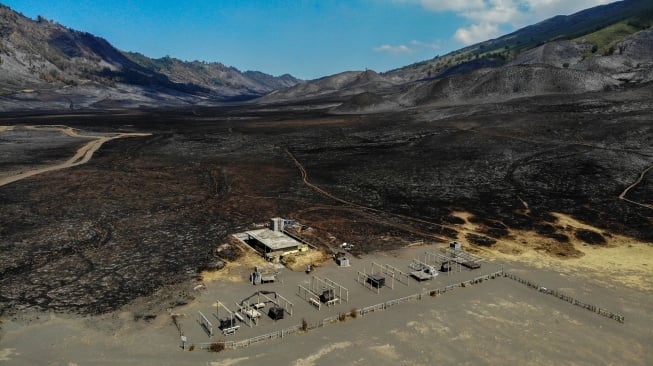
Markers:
<point>623,194</point>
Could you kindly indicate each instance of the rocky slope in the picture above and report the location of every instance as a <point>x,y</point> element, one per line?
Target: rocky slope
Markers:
<point>344,84</point>
<point>559,67</point>
<point>496,85</point>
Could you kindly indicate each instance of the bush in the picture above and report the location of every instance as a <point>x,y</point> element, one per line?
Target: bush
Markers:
<point>353,313</point>
<point>216,347</point>
<point>342,317</point>
<point>304,325</point>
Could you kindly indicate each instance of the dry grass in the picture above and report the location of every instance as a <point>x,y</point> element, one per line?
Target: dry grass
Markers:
<point>298,262</point>
<point>621,260</point>
<point>238,270</point>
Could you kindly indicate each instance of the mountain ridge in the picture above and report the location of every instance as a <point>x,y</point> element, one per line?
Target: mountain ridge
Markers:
<point>48,66</point>
<point>48,57</point>
<point>560,27</point>
<point>614,54</point>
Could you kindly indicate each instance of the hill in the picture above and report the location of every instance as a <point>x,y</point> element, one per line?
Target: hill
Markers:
<point>602,48</point>
<point>43,61</point>
<point>45,65</point>
<point>595,26</point>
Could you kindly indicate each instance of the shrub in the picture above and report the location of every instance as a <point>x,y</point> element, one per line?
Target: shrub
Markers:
<point>342,317</point>
<point>304,325</point>
<point>216,347</point>
<point>353,312</point>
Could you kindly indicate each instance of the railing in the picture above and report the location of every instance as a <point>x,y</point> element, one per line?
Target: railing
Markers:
<point>567,298</point>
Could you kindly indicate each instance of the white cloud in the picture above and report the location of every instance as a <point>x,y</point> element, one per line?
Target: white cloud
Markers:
<point>477,33</point>
<point>433,46</point>
<point>393,49</point>
<point>543,9</point>
<point>496,12</point>
<point>415,46</point>
<point>488,17</point>
<point>451,5</point>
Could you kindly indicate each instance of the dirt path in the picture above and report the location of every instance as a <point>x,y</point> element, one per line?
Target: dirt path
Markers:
<point>623,194</point>
<point>82,156</point>
<point>367,210</point>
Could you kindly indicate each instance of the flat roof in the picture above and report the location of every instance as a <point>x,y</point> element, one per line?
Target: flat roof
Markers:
<point>274,240</point>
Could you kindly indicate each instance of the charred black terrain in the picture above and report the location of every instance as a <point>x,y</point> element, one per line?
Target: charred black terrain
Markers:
<point>147,213</point>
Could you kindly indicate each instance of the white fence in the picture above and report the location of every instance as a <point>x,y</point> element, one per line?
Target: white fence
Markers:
<point>305,326</point>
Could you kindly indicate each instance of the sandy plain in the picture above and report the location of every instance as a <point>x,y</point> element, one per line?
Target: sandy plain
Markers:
<point>496,322</point>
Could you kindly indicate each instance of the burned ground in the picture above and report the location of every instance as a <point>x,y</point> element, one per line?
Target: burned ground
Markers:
<point>148,213</point>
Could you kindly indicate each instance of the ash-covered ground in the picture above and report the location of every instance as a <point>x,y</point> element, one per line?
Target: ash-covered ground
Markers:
<point>146,214</point>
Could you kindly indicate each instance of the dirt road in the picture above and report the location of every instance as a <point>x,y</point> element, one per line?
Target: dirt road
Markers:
<point>82,156</point>
<point>623,194</point>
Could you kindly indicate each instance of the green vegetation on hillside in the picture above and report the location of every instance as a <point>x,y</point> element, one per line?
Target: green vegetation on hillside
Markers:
<point>603,26</point>
<point>605,40</point>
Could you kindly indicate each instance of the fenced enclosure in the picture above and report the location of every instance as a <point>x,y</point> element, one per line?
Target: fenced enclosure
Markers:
<point>381,276</point>
<point>341,317</point>
<point>315,291</point>
<point>305,327</point>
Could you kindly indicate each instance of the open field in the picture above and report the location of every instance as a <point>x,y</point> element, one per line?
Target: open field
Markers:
<point>495,322</point>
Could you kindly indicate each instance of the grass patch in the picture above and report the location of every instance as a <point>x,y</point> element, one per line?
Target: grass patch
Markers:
<point>604,41</point>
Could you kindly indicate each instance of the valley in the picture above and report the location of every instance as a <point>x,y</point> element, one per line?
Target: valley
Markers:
<point>154,207</point>
<point>123,179</point>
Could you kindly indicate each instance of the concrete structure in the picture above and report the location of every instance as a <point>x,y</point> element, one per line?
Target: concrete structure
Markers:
<point>273,243</point>
<point>455,245</point>
<point>279,224</point>
<point>342,261</point>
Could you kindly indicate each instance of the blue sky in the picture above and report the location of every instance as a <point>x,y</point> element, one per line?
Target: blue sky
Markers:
<point>307,39</point>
